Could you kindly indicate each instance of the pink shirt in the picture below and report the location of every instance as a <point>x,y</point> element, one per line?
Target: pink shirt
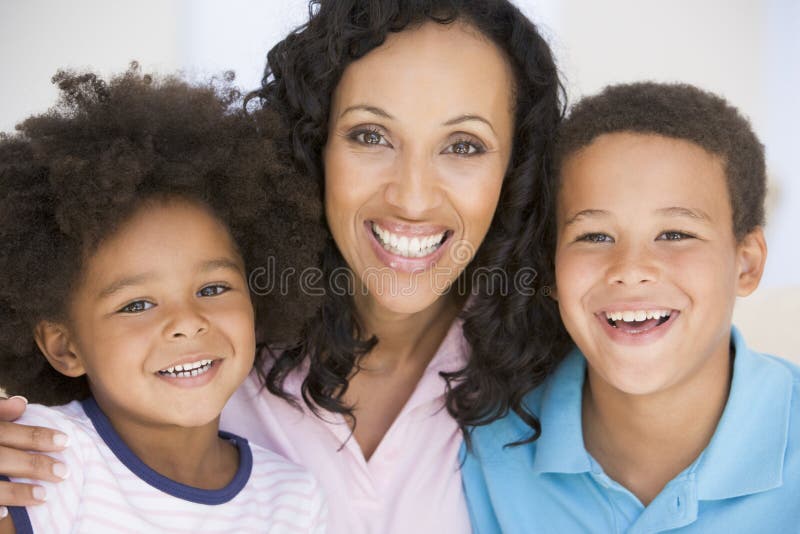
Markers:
<point>412,482</point>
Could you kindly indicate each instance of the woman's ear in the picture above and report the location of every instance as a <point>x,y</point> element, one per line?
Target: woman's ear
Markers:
<point>55,342</point>
<point>751,256</point>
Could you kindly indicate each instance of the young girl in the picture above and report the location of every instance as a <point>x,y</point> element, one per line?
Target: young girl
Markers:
<point>129,217</point>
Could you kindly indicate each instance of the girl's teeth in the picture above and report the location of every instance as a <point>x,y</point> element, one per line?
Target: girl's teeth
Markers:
<point>188,369</point>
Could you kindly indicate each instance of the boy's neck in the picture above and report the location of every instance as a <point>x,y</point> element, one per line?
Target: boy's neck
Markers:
<point>644,441</point>
<point>194,456</point>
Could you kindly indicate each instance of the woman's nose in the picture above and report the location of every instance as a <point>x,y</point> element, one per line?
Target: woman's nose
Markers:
<point>414,189</point>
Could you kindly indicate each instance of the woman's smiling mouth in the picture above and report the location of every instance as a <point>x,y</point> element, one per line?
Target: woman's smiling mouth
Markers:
<point>414,246</point>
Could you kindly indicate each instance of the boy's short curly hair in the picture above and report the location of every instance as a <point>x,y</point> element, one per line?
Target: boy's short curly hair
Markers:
<point>70,177</point>
<point>679,111</point>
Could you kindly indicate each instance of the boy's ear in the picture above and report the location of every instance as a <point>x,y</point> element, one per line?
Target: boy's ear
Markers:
<point>751,255</point>
<point>55,343</point>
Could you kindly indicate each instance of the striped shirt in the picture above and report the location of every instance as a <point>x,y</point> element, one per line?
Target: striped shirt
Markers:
<point>110,490</point>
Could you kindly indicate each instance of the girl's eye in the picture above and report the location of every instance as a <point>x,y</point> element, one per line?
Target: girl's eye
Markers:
<point>213,290</point>
<point>674,235</point>
<point>369,137</point>
<point>464,147</point>
<point>596,238</point>
<point>137,306</point>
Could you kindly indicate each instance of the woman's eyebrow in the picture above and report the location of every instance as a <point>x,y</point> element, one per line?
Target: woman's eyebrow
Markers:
<point>369,109</point>
<point>468,117</point>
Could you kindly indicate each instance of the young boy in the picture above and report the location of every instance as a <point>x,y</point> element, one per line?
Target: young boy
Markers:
<point>129,217</point>
<point>661,418</point>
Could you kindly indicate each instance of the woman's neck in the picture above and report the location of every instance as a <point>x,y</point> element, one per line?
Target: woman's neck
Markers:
<point>402,337</point>
<point>644,441</point>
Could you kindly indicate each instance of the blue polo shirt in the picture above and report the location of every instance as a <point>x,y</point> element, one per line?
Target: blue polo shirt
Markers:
<point>746,480</point>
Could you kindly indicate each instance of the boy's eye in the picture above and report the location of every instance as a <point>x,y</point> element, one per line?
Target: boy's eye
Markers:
<point>596,237</point>
<point>213,290</point>
<point>673,235</point>
<point>137,306</point>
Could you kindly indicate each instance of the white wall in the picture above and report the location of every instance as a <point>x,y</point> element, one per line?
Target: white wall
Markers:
<point>746,50</point>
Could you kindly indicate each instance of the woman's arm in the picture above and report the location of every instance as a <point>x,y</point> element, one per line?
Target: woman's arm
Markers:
<point>19,445</point>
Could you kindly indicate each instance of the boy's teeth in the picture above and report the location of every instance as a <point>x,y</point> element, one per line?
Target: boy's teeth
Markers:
<point>414,247</point>
<point>630,316</point>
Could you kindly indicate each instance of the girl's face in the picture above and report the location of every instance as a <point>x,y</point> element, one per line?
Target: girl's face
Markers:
<point>162,323</point>
<point>419,141</point>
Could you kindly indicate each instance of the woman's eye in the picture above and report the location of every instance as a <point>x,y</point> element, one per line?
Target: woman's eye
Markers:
<point>213,290</point>
<point>596,238</point>
<point>673,235</point>
<point>465,148</point>
<point>137,306</point>
<point>369,137</point>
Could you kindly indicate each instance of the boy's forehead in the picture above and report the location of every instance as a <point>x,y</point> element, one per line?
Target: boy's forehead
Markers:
<point>643,172</point>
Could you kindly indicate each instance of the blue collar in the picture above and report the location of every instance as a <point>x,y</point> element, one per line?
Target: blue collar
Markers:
<point>188,493</point>
<point>745,454</point>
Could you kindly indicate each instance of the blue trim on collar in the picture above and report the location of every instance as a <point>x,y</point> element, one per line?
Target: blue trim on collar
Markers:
<point>19,515</point>
<point>747,451</point>
<point>162,483</point>
<point>560,448</point>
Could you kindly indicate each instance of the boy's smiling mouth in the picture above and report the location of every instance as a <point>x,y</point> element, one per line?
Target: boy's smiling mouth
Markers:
<point>636,324</point>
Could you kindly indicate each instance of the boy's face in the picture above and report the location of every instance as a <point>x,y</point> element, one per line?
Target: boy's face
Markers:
<point>647,264</point>
<point>168,289</point>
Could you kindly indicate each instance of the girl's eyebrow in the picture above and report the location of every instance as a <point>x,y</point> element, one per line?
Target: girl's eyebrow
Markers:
<point>122,283</point>
<point>139,279</point>
<point>220,263</point>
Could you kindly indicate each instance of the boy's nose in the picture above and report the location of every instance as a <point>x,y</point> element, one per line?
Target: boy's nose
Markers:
<point>632,267</point>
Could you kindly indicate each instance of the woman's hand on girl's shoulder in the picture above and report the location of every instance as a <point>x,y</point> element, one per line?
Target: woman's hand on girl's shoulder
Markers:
<point>20,446</point>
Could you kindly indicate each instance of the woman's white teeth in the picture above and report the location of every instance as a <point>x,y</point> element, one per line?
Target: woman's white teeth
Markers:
<point>415,247</point>
<point>630,316</point>
<point>187,370</point>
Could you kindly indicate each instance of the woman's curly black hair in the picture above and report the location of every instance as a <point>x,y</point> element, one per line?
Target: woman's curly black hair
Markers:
<point>71,176</point>
<point>516,338</point>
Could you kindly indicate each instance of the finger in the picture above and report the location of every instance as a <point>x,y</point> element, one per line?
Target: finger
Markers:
<point>22,464</point>
<point>18,494</point>
<point>31,438</point>
<point>12,408</point>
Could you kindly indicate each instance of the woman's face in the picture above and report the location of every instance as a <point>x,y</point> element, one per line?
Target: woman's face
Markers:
<point>418,144</point>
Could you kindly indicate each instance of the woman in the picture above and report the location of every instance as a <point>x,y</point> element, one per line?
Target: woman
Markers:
<point>426,123</point>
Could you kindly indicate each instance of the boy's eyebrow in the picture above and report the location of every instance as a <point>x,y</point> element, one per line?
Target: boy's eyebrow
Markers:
<point>678,211</point>
<point>585,214</point>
